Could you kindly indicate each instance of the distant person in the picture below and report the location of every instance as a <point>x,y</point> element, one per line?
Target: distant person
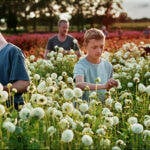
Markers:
<point>13,70</point>
<point>120,33</point>
<point>146,32</point>
<point>105,31</point>
<point>92,67</point>
<point>62,39</point>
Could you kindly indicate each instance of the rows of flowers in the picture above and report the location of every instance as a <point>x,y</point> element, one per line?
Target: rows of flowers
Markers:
<point>55,116</point>
<point>35,44</point>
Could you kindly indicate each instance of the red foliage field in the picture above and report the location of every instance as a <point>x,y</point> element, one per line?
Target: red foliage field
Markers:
<point>35,43</point>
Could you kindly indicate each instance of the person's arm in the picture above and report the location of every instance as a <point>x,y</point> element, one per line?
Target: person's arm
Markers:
<point>45,54</point>
<point>80,83</point>
<point>49,47</point>
<point>20,85</point>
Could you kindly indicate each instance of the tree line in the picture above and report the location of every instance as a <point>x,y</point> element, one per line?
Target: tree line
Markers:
<point>25,13</point>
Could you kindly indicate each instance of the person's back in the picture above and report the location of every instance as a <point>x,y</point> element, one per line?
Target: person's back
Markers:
<point>13,70</point>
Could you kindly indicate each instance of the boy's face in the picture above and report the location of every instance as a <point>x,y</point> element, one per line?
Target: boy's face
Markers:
<point>95,48</point>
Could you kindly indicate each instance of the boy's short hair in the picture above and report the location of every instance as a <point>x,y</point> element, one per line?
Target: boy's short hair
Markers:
<point>62,21</point>
<point>93,33</point>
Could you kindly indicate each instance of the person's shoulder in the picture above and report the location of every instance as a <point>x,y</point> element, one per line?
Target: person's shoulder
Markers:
<point>82,61</point>
<point>106,63</point>
<point>14,49</point>
<point>54,37</point>
<point>70,36</point>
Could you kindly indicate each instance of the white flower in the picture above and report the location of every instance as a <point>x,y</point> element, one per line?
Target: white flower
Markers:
<point>93,94</point>
<point>41,88</point>
<point>60,55</point>
<point>119,84</point>
<point>77,113</point>
<point>106,112</point>
<point>2,110</point>
<point>141,88</point>
<point>118,106</point>
<point>130,84</point>
<point>24,113</point>
<point>58,59</point>
<point>28,105</point>
<point>64,74</point>
<point>36,77</point>
<point>51,130</point>
<point>137,128</point>
<point>37,112</point>
<point>41,100</point>
<point>120,143</point>
<point>147,123</point>
<point>57,114</point>
<point>105,143</point>
<point>147,74</point>
<point>67,108</point>
<point>101,131</point>
<point>116,148</point>
<point>132,120</point>
<point>147,90</point>
<point>77,92</point>
<point>109,101</point>
<point>146,134</point>
<point>3,96</point>
<point>64,123</point>
<point>98,80</point>
<point>75,41</point>
<point>34,98</point>
<point>83,107</point>
<point>87,130</point>
<point>60,78</point>
<point>115,120</point>
<point>32,58</point>
<point>49,80</point>
<point>1,87</point>
<point>9,126</point>
<point>53,75</point>
<point>61,49</point>
<point>87,140</point>
<point>67,136</point>
<point>70,80</point>
<point>68,94</point>
<point>56,47</point>
<point>109,122</point>
<point>136,79</point>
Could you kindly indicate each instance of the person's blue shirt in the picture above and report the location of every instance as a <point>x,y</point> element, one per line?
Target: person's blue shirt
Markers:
<point>12,67</point>
<point>91,72</point>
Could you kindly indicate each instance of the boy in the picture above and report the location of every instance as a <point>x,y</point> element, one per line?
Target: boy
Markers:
<point>92,67</point>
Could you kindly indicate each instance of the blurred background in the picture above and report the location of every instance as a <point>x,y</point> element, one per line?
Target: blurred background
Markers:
<point>42,15</point>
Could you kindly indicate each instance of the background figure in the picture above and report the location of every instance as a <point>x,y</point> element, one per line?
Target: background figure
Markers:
<point>62,39</point>
<point>146,32</point>
<point>12,70</point>
<point>92,72</point>
<point>105,31</point>
<point>120,33</point>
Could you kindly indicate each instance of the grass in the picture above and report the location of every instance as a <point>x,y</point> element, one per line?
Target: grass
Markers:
<point>131,25</point>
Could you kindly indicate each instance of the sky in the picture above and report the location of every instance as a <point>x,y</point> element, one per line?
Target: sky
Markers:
<point>137,9</point>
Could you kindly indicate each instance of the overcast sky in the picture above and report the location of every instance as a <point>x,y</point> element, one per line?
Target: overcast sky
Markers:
<point>137,8</point>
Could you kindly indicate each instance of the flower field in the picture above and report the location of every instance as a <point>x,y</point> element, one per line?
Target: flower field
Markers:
<point>35,44</point>
<point>55,116</point>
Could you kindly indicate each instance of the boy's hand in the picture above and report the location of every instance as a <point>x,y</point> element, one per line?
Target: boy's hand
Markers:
<point>111,83</point>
